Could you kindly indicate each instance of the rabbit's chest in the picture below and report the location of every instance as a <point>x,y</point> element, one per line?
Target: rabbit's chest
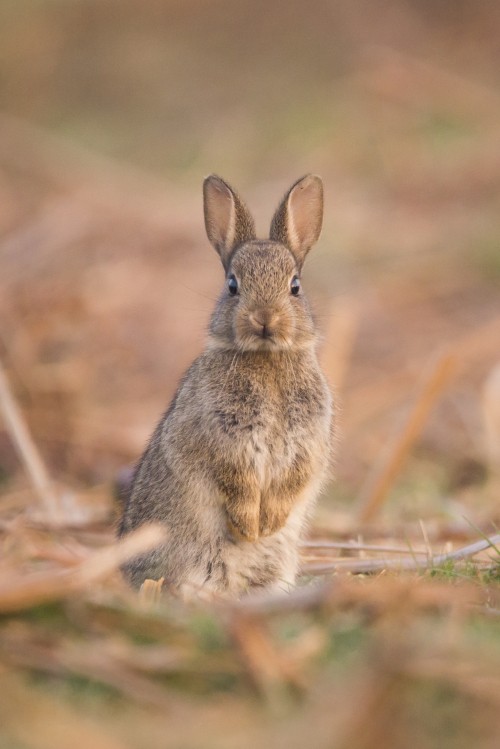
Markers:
<point>261,420</point>
<point>268,432</point>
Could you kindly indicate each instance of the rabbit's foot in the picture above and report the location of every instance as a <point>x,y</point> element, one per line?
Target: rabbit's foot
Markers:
<point>272,519</point>
<point>243,526</point>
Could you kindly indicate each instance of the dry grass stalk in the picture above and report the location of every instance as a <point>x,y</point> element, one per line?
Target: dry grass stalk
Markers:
<point>99,666</point>
<point>27,450</point>
<point>374,398</point>
<point>318,545</point>
<point>408,564</point>
<point>151,591</point>
<point>29,590</point>
<point>96,662</point>
<point>339,340</point>
<point>268,669</point>
<point>381,480</point>
<point>309,597</point>
<point>384,593</point>
<point>491,416</point>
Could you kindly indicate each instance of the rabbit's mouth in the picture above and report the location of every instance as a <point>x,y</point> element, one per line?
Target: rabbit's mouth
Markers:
<point>271,342</point>
<point>264,340</point>
<point>263,330</point>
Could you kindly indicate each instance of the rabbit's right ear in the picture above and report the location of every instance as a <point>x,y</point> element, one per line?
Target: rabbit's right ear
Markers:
<point>227,219</point>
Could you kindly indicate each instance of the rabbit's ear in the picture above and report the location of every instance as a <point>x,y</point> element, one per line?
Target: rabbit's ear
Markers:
<point>298,220</point>
<point>227,219</point>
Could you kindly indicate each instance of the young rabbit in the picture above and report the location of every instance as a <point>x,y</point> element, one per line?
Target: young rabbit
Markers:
<point>237,461</point>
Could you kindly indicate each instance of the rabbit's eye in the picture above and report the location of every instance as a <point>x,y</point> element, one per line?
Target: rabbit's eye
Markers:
<point>295,285</point>
<point>232,285</point>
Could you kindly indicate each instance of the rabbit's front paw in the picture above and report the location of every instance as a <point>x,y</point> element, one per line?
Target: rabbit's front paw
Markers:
<point>272,519</point>
<point>243,526</point>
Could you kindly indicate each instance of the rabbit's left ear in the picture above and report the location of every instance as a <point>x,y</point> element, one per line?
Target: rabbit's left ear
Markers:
<point>297,222</point>
<point>227,219</point>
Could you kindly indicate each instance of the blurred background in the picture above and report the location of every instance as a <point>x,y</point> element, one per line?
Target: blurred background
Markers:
<point>111,115</point>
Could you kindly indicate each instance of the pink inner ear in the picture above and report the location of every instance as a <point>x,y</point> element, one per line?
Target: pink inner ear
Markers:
<point>306,212</point>
<point>219,205</point>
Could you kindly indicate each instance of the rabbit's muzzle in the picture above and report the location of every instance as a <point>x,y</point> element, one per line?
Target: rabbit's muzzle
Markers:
<point>263,329</point>
<point>264,323</point>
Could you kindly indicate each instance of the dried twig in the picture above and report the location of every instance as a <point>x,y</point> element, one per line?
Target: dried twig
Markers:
<point>151,590</point>
<point>269,671</point>
<point>491,416</point>
<point>355,546</point>
<point>27,450</point>
<point>379,483</point>
<point>340,337</point>
<point>474,346</point>
<point>29,590</point>
<point>408,564</point>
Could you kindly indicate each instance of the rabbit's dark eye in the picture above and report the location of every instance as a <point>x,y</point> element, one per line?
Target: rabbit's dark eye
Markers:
<point>295,285</point>
<point>232,285</point>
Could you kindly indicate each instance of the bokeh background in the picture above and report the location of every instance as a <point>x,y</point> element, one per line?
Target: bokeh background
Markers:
<point>111,114</point>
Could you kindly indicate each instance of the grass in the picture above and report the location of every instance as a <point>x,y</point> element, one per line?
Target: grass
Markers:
<point>110,659</point>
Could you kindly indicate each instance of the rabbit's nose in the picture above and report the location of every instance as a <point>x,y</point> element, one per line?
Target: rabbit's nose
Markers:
<point>263,323</point>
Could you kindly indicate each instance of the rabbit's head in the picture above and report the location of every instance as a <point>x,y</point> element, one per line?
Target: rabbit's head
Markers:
<point>262,306</point>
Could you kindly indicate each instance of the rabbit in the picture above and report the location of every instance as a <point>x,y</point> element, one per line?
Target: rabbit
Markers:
<point>237,461</point>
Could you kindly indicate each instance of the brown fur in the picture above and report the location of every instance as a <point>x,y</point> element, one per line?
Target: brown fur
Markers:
<point>237,461</point>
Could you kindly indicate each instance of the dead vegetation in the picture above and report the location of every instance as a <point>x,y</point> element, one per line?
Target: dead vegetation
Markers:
<point>106,284</point>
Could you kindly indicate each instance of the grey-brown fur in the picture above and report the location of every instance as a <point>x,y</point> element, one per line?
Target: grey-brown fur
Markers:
<point>237,461</point>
